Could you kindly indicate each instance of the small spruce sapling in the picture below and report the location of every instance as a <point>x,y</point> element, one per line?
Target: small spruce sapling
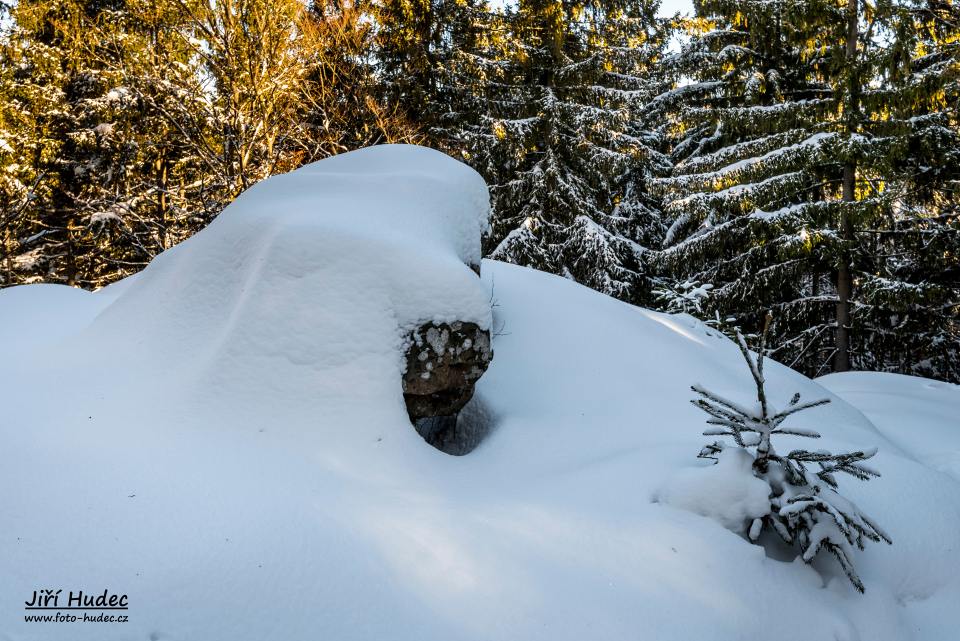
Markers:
<point>805,508</point>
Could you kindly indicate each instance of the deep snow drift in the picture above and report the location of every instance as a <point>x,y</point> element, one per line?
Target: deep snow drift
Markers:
<point>223,438</point>
<point>919,415</point>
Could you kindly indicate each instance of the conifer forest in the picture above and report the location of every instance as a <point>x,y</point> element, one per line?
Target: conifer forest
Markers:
<point>797,158</point>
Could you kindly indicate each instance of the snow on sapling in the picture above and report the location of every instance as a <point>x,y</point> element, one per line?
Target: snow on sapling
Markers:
<point>805,507</point>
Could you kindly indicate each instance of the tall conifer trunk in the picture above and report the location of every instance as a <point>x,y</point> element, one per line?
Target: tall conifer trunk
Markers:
<point>841,361</point>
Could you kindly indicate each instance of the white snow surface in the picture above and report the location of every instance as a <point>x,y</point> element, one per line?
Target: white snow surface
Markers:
<point>223,439</point>
<point>899,404</point>
<point>727,492</point>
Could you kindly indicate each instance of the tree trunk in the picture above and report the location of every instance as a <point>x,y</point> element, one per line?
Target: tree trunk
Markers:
<point>841,359</point>
<point>71,272</point>
<point>8,249</point>
<point>163,204</point>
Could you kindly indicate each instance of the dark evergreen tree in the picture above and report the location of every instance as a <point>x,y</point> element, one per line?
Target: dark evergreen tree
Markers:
<point>415,43</point>
<point>18,178</point>
<point>173,195</point>
<point>789,148</point>
<point>753,197</point>
<point>908,308</point>
<point>561,141</point>
<point>79,140</point>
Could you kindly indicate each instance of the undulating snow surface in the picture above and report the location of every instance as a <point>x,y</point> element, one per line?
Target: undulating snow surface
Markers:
<point>223,438</point>
<point>727,492</point>
<point>919,415</point>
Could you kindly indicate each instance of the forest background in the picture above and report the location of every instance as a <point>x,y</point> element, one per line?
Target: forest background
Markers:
<point>796,157</point>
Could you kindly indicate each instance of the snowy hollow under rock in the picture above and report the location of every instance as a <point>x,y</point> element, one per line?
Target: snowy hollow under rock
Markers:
<point>223,437</point>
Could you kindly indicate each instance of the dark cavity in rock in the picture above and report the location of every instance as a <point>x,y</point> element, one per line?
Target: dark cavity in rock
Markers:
<point>458,435</point>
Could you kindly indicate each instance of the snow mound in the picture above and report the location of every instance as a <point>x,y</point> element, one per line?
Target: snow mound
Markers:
<point>727,492</point>
<point>309,282</point>
<point>897,404</point>
<point>229,447</point>
<point>32,316</point>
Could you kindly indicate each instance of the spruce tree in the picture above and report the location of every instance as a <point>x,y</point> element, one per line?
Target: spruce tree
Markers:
<point>560,140</point>
<point>77,124</point>
<point>107,180</point>
<point>908,307</point>
<point>752,198</point>
<point>415,43</point>
<point>174,197</point>
<point>409,48</point>
<point>806,508</point>
<point>789,162</point>
<point>18,178</point>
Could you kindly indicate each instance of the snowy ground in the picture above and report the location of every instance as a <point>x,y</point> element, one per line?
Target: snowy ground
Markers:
<point>919,415</point>
<point>223,439</point>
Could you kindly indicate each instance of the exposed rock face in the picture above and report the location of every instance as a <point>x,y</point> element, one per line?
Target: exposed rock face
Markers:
<point>443,363</point>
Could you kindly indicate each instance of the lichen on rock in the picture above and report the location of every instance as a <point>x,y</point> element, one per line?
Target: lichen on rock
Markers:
<point>444,361</point>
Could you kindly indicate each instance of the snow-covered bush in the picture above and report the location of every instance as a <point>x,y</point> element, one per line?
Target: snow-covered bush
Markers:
<point>805,507</point>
